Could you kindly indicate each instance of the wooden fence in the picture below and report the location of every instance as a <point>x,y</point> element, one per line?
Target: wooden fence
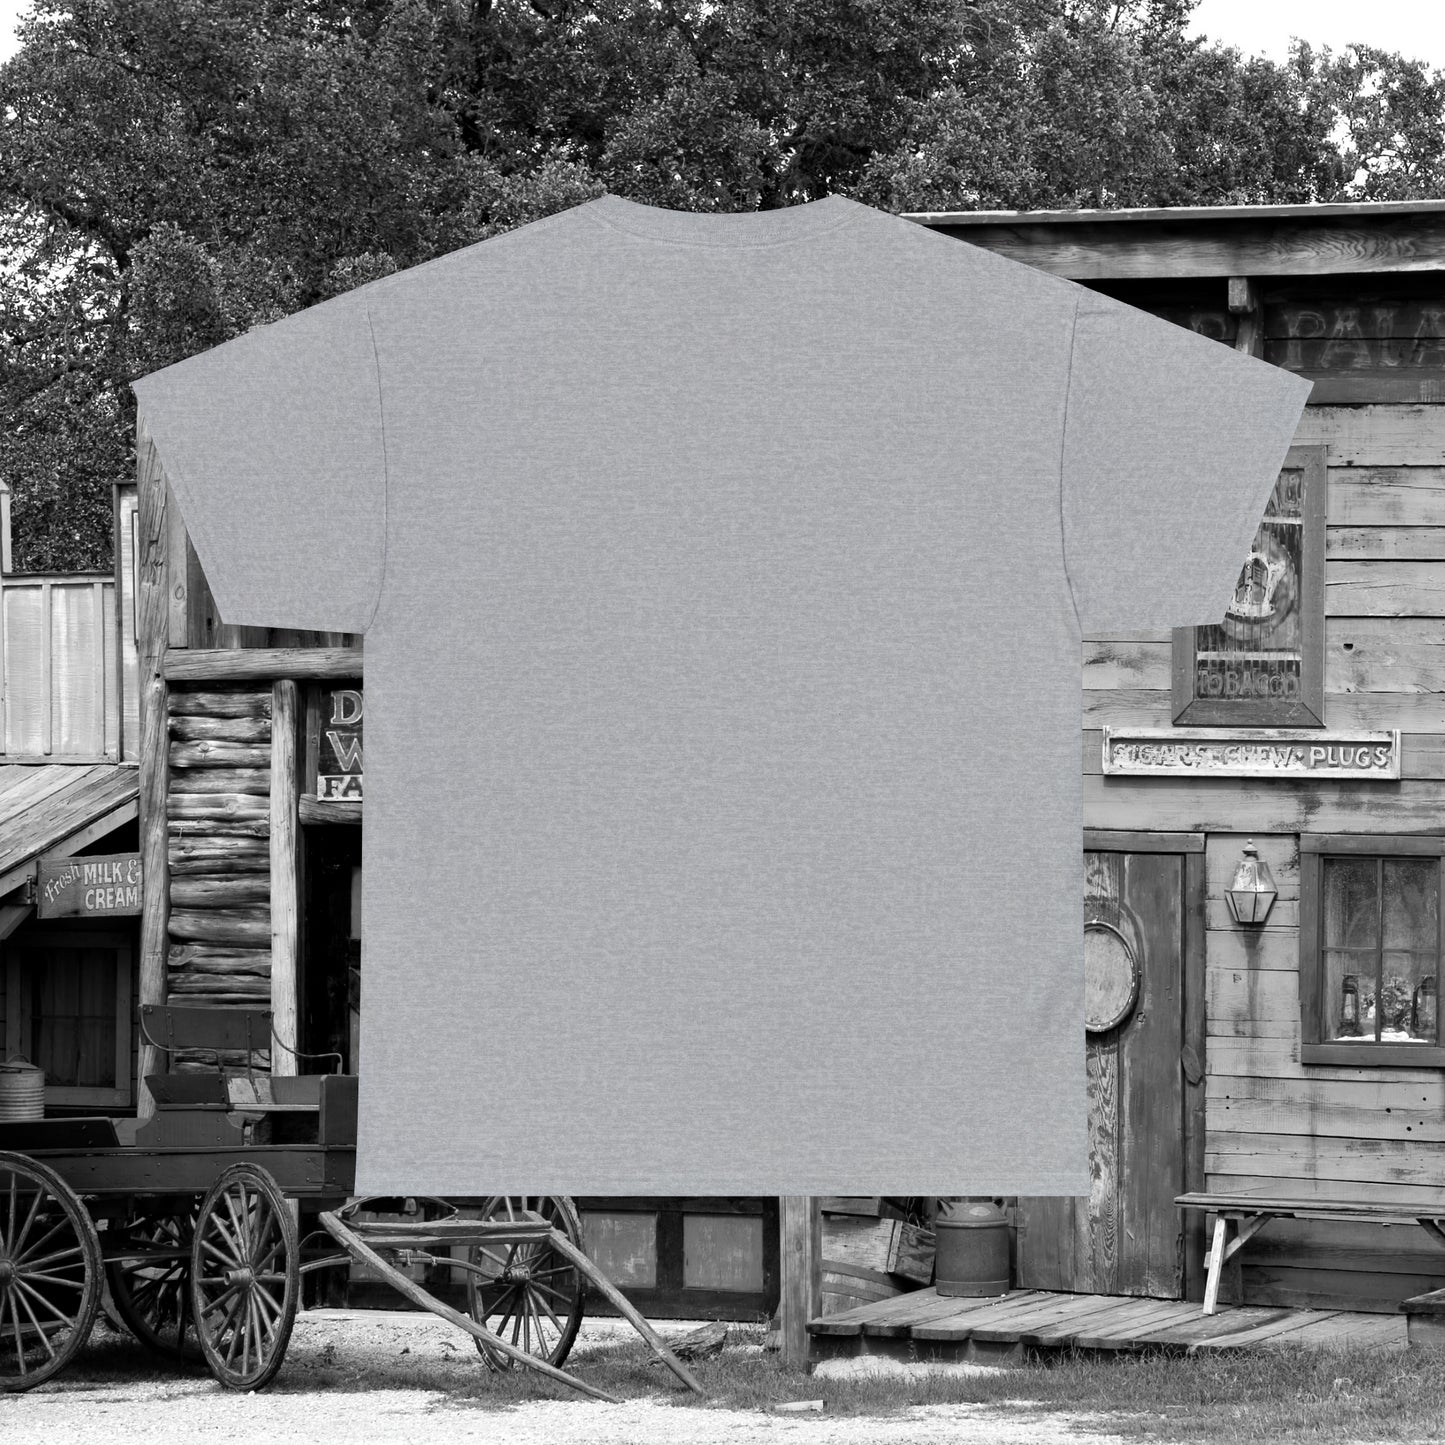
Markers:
<point>68,662</point>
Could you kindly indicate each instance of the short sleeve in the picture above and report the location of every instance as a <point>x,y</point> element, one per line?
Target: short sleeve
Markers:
<point>1172,445</point>
<point>273,447</point>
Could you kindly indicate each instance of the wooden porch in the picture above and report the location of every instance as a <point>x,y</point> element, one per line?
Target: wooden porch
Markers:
<point>924,1324</point>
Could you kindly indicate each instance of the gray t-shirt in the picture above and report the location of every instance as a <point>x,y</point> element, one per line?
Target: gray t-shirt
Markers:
<point>723,581</point>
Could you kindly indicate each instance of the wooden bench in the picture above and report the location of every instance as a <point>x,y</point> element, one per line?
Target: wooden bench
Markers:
<point>1425,1318</point>
<point>219,1109</point>
<point>1247,1214</point>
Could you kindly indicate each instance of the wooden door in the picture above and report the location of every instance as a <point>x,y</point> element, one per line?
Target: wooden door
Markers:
<point>1124,1237</point>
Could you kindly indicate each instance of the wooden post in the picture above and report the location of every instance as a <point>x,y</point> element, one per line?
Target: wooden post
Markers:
<point>6,564</point>
<point>285,1003</point>
<point>1244,303</point>
<point>1216,1264</point>
<point>153,761</point>
<point>801,1259</point>
<point>1192,1063</point>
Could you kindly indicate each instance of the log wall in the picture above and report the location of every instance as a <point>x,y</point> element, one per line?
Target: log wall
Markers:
<point>1273,1124</point>
<point>218,830</point>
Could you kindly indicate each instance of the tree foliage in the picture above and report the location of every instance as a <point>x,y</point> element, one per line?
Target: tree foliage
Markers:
<point>173,172</point>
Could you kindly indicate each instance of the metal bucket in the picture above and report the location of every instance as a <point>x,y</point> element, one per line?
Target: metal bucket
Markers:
<point>972,1254</point>
<point>22,1091</point>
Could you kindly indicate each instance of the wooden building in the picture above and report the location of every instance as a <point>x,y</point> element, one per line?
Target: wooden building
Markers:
<point>69,890</point>
<point>1303,1055</point>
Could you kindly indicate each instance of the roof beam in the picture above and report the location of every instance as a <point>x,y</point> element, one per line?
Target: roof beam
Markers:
<point>259,664</point>
<point>1102,248</point>
<point>108,822</point>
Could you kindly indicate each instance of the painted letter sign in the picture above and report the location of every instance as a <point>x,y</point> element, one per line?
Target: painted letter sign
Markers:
<point>99,887</point>
<point>1251,753</point>
<point>338,770</point>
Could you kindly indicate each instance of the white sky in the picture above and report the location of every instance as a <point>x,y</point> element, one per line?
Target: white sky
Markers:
<point>1416,27</point>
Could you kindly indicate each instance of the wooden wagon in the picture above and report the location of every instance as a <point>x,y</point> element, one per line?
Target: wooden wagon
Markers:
<point>193,1226</point>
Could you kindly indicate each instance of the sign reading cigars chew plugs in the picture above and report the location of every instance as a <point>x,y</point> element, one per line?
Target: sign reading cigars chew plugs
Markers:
<point>99,887</point>
<point>1252,753</point>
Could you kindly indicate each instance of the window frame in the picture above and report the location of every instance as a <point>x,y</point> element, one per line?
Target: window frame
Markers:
<point>19,1011</point>
<point>1308,709</point>
<point>1313,849</point>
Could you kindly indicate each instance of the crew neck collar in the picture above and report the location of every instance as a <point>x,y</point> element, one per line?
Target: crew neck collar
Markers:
<point>727,229</point>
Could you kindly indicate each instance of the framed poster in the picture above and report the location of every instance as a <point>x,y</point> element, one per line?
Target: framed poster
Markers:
<point>1262,663</point>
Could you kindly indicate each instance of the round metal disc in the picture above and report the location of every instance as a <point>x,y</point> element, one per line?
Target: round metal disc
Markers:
<point>1111,978</point>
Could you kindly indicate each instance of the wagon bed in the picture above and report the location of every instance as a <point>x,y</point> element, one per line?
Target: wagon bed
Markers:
<point>193,1226</point>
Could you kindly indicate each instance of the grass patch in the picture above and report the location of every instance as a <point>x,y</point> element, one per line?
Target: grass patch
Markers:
<point>1279,1396</point>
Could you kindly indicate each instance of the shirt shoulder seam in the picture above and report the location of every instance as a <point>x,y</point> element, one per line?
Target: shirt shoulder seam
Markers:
<point>385,470</point>
<point>1063,456</point>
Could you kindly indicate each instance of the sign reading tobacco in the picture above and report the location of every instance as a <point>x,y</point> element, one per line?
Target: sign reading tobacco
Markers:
<point>338,769</point>
<point>1251,753</point>
<point>99,887</point>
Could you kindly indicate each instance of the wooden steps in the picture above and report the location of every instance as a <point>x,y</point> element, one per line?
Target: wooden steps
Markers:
<point>925,1323</point>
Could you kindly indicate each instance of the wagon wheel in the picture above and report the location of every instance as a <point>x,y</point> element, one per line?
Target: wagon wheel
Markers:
<point>245,1277</point>
<point>528,1294</point>
<point>49,1273</point>
<point>153,1296</point>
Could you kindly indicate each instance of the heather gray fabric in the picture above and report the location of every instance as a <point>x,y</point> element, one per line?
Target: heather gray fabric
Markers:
<point>722,580</point>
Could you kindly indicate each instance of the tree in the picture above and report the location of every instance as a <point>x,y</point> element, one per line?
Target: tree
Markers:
<point>173,172</point>
<point>1392,113</point>
<point>1107,105</point>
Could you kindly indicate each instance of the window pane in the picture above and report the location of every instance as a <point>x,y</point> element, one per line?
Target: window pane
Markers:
<point>1389,995</point>
<point>1407,999</point>
<point>1349,995</point>
<point>1352,919</point>
<point>1412,922</point>
<point>72,1028</point>
<point>1412,891</point>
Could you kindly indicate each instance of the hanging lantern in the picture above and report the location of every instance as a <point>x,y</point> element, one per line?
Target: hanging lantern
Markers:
<point>1422,1010</point>
<point>1252,894</point>
<point>1350,1004</point>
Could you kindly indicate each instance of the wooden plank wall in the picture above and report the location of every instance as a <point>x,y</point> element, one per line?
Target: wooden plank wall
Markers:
<point>1271,1123</point>
<point>60,687</point>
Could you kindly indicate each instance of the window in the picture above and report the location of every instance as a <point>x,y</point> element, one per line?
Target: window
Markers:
<point>68,1011</point>
<point>1262,664</point>
<point>1370,949</point>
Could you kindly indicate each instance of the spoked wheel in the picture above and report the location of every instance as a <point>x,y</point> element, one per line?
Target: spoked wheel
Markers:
<point>49,1273</point>
<point>152,1291</point>
<point>527,1294</point>
<point>245,1277</point>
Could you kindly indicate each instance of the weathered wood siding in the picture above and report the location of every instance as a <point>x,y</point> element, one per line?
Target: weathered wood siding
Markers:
<point>61,695</point>
<point>1273,1124</point>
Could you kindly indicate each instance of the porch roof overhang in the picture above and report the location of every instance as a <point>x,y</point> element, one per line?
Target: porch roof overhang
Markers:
<point>1182,242</point>
<point>53,810</point>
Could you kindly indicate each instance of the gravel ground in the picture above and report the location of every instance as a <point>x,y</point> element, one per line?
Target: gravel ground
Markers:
<point>383,1376</point>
